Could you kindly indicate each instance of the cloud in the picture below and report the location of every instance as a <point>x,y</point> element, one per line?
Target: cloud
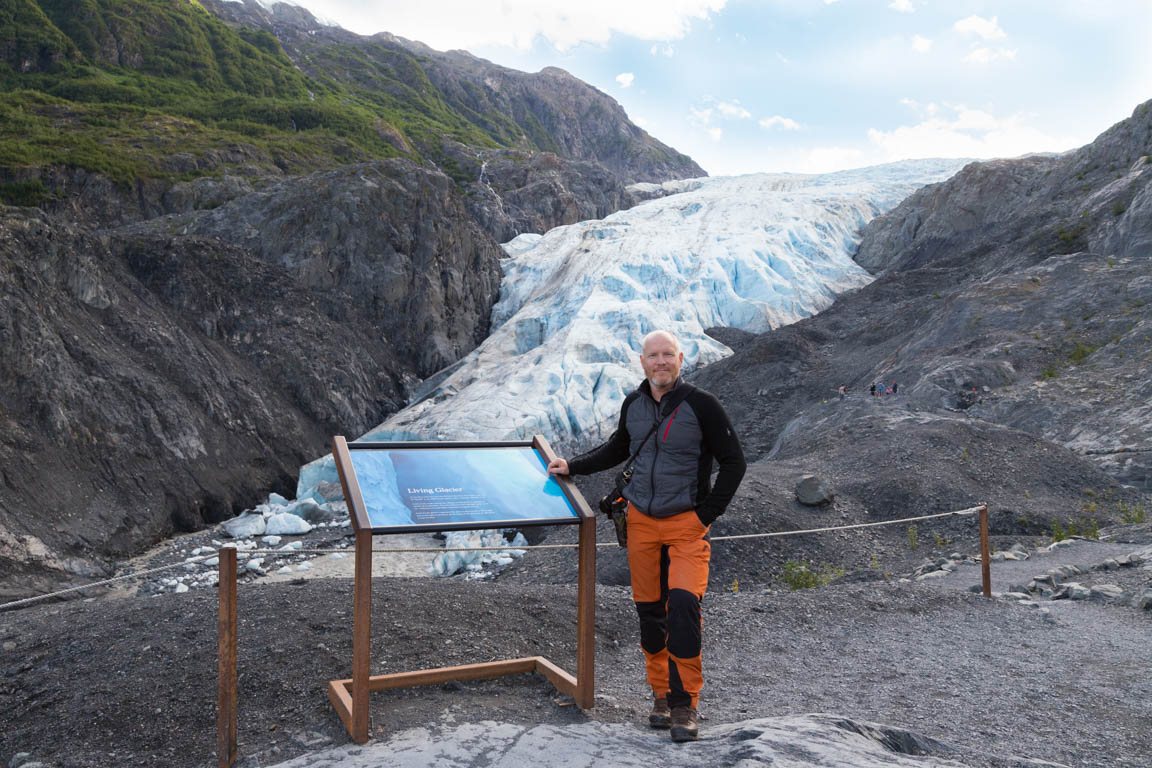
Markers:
<point>733,111</point>
<point>940,130</point>
<point>663,49</point>
<point>640,121</point>
<point>625,79</point>
<point>921,44</point>
<point>699,116</point>
<point>958,131</point>
<point>450,24</point>
<point>715,133</point>
<point>783,58</point>
<point>987,55</point>
<point>988,29</point>
<point>825,159</point>
<point>904,6</point>
<point>783,123</point>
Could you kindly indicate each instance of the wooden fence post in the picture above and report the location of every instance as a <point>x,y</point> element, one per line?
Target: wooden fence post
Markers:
<point>226,694</point>
<point>985,552</point>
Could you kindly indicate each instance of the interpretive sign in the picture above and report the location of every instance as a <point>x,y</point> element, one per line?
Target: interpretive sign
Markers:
<point>410,487</point>
<point>407,487</point>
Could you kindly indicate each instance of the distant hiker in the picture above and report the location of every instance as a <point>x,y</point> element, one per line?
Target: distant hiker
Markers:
<point>873,389</point>
<point>895,387</point>
<point>671,431</point>
<point>843,391</point>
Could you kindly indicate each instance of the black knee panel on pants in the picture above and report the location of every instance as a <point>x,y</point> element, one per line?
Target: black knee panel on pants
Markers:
<point>653,626</point>
<point>684,635</point>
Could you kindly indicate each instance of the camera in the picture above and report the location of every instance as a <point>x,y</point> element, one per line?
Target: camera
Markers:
<point>616,507</point>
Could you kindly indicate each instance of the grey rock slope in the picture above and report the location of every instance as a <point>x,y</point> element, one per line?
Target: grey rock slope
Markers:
<point>156,380</point>
<point>1044,275</point>
<point>392,236</point>
<point>515,191</point>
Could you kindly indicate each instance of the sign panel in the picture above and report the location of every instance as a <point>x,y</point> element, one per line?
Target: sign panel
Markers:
<point>423,487</point>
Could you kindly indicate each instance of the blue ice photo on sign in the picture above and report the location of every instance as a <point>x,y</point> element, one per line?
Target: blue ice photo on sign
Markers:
<point>446,486</point>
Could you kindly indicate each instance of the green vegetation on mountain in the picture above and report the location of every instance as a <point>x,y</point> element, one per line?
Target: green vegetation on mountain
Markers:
<point>120,86</point>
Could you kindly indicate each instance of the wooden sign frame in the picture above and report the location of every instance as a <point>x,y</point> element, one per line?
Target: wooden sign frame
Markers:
<point>350,697</point>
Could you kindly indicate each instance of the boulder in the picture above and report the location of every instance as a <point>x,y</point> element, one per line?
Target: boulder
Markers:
<point>1144,600</point>
<point>1077,591</point>
<point>1106,592</point>
<point>813,491</point>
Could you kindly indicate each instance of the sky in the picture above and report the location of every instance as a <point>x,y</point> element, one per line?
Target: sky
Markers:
<point>812,86</point>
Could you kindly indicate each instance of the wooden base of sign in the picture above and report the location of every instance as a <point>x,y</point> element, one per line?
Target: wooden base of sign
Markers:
<point>350,697</point>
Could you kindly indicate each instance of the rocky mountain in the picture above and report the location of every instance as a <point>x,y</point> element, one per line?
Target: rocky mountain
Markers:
<point>562,151</point>
<point>549,111</point>
<point>153,93</point>
<point>236,232</point>
<point>1013,305</point>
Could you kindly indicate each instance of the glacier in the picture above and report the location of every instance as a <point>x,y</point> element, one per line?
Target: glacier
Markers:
<point>751,252</point>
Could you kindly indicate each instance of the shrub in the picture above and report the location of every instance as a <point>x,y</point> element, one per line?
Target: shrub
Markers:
<point>1131,514</point>
<point>26,193</point>
<point>1080,352</point>
<point>913,533</point>
<point>798,575</point>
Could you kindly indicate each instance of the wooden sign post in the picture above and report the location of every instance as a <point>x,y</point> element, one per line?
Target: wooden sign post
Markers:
<point>985,553</point>
<point>226,693</point>
<point>350,697</point>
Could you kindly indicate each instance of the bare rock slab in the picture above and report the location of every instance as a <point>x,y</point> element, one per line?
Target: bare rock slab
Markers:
<point>824,741</point>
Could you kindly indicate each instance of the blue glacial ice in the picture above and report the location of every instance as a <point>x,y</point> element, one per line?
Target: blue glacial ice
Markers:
<point>751,252</point>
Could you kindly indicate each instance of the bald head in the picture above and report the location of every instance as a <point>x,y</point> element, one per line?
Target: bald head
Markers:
<point>661,358</point>
<point>659,336</point>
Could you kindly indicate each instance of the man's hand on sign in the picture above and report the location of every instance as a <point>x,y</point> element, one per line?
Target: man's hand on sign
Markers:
<point>558,467</point>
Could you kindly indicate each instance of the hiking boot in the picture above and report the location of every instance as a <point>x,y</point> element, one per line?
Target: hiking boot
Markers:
<point>661,716</point>
<point>684,724</point>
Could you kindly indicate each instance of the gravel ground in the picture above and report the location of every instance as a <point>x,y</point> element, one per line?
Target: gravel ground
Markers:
<point>133,681</point>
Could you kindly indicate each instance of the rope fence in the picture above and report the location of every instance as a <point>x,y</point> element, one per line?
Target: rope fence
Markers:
<point>437,550</point>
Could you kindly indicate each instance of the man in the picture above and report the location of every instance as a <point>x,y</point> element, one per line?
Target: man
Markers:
<point>675,430</point>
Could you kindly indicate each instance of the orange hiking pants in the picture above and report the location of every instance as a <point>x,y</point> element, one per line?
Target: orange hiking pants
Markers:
<point>668,558</point>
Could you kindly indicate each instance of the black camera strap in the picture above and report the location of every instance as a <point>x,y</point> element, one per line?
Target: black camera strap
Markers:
<point>667,406</point>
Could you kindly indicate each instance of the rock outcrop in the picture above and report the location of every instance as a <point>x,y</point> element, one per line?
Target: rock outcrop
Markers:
<point>824,741</point>
<point>515,191</point>
<point>156,380</point>
<point>393,237</point>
